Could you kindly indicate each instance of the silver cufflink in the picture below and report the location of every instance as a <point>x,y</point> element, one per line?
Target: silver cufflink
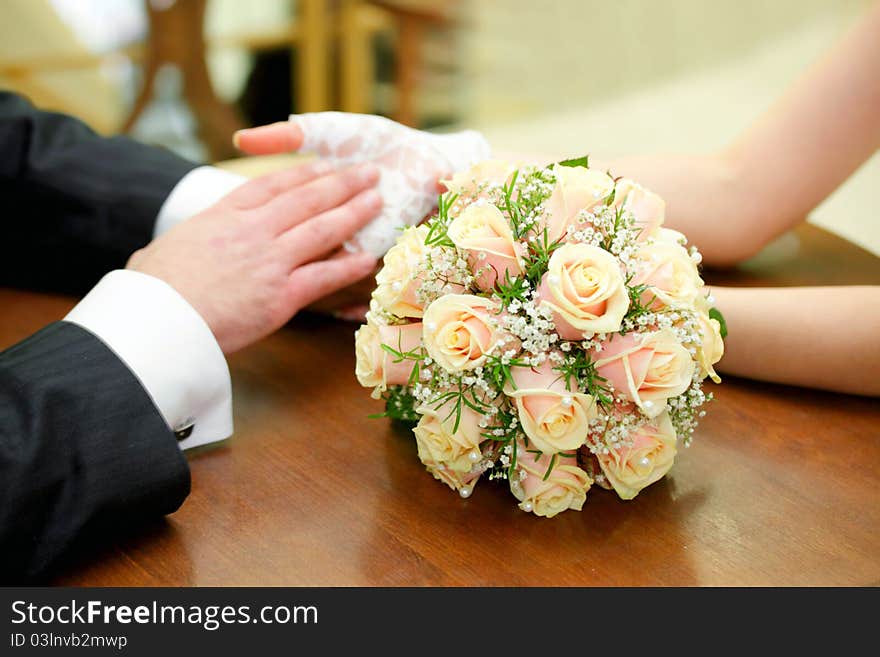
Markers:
<point>185,430</point>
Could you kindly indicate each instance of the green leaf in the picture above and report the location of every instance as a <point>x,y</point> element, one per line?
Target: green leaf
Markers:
<point>714,313</point>
<point>512,468</point>
<point>576,162</point>
<point>399,406</point>
<point>549,468</point>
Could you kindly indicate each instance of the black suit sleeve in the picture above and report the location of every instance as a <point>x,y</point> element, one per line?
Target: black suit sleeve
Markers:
<point>80,443</point>
<point>73,204</point>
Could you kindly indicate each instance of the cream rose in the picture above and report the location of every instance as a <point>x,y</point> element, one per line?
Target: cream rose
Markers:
<point>670,274</point>
<point>398,280</point>
<point>554,419</point>
<point>492,172</point>
<point>450,456</point>
<point>670,236</point>
<point>648,209</point>
<point>377,368</point>
<point>576,189</point>
<point>711,348</point>
<point>439,445</point>
<point>460,330</point>
<point>463,482</point>
<point>585,290</point>
<point>647,369</point>
<point>484,233</point>
<point>565,487</point>
<point>646,460</point>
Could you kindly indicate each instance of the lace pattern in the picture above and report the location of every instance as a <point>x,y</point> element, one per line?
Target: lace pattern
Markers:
<point>411,162</point>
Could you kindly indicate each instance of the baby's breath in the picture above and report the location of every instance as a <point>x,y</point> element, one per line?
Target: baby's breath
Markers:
<point>525,331</point>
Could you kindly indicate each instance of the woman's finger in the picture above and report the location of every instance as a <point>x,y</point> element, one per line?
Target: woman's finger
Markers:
<point>280,137</point>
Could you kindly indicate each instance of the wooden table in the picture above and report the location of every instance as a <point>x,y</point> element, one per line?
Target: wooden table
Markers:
<point>781,485</point>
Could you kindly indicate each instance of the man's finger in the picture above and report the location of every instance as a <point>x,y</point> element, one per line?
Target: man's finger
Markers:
<point>261,190</point>
<point>320,235</point>
<point>318,196</point>
<point>281,137</point>
<point>318,279</point>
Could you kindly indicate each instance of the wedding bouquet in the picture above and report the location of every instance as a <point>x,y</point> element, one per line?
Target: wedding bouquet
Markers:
<point>543,328</point>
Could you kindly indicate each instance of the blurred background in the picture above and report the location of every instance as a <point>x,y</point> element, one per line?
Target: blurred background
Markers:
<point>556,78</point>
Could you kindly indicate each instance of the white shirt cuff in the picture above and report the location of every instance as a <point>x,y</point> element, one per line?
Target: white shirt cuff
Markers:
<point>196,191</point>
<point>167,346</point>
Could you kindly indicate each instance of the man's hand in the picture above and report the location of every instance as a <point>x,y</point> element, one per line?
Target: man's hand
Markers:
<point>412,163</point>
<point>250,262</point>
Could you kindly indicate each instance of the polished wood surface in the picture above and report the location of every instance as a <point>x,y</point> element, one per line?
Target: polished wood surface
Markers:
<point>781,485</point>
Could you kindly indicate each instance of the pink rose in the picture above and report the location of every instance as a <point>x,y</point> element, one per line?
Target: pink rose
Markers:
<point>460,330</point>
<point>670,274</point>
<point>450,453</point>
<point>648,209</point>
<point>554,418</point>
<point>398,281</point>
<point>585,290</point>
<point>403,338</point>
<point>485,234</point>
<point>463,482</point>
<point>565,487</point>
<point>376,367</point>
<point>647,369</point>
<point>487,172</point>
<point>645,460</point>
<point>577,189</point>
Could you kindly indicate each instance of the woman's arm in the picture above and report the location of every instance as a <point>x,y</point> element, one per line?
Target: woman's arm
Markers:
<point>821,130</point>
<point>818,337</point>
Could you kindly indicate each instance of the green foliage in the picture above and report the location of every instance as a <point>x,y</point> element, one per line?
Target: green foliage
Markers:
<point>439,225</point>
<point>576,162</point>
<point>579,372</point>
<point>538,257</point>
<point>414,355</point>
<point>512,289</point>
<point>531,190</point>
<point>714,313</point>
<point>637,307</point>
<point>399,405</point>
<point>619,222</point>
<point>549,467</point>
<point>497,371</point>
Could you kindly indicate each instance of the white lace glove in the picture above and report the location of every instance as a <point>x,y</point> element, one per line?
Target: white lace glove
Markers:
<point>411,161</point>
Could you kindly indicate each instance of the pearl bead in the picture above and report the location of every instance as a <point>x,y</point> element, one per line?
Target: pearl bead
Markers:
<point>397,286</point>
<point>567,401</point>
<point>710,299</point>
<point>465,491</point>
<point>644,462</point>
<point>527,507</point>
<point>474,456</point>
<point>431,326</point>
<point>697,258</point>
<point>648,404</point>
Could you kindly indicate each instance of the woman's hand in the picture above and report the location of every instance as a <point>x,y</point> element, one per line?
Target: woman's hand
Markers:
<point>411,161</point>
